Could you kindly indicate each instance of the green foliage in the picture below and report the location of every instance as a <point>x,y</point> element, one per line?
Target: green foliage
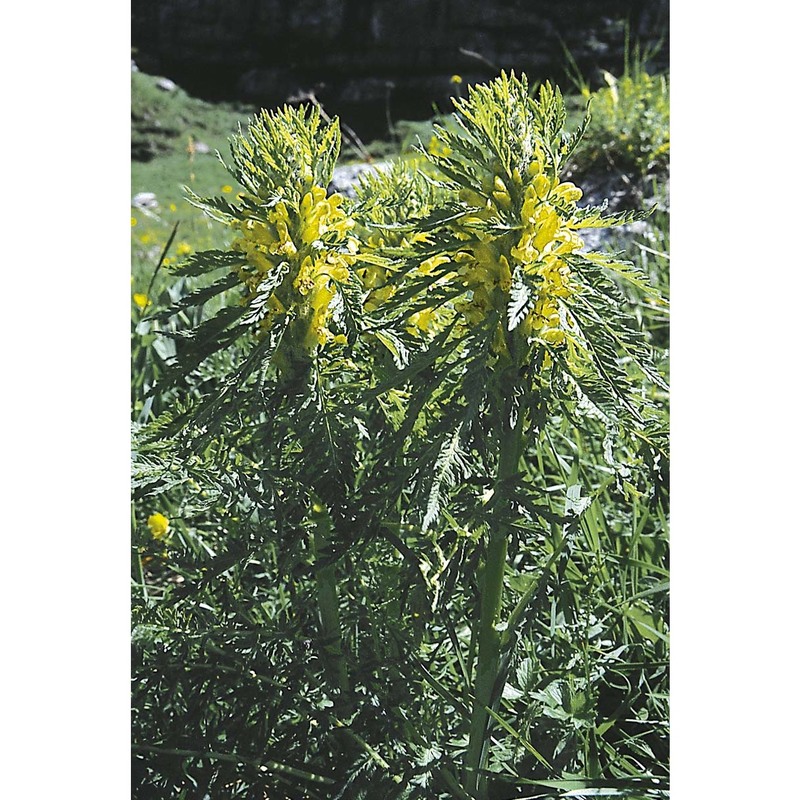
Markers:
<point>412,449</point>
<point>629,133</point>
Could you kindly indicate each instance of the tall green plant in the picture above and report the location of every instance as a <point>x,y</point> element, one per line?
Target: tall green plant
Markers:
<point>397,366</point>
<point>535,328</point>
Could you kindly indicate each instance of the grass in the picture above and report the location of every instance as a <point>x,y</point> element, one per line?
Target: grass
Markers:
<point>173,142</point>
<point>630,133</point>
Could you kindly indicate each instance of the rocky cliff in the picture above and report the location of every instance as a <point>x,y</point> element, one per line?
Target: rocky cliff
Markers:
<point>360,57</point>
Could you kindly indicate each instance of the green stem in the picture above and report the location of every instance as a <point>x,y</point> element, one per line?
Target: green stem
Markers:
<point>328,606</point>
<point>491,601</point>
<point>233,758</point>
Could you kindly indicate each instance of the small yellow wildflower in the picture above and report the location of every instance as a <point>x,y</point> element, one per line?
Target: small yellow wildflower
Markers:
<point>167,261</point>
<point>437,148</point>
<point>141,300</point>
<point>158,524</point>
<point>184,248</point>
<point>145,238</point>
<point>134,221</point>
<point>456,79</point>
<point>173,207</point>
<point>227,189</point>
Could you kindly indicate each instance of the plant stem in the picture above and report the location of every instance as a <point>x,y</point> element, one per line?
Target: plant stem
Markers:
<point>489,637</point>
<point>328,606</point>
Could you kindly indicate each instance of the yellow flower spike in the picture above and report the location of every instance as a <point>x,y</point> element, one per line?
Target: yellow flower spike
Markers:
<point>275,310</point>
<point>158,524</point>
<point>474,311</point>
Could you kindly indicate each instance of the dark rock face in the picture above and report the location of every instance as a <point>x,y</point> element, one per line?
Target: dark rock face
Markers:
<point>357,55</point>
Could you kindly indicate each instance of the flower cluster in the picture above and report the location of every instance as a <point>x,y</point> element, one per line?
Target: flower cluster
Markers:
<point>547,213</point>
<point>539,211</point>
<point>386,230</point>
<point>311,242</point>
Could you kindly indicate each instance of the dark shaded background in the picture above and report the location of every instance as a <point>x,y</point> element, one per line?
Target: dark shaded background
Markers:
<point>360,57</point>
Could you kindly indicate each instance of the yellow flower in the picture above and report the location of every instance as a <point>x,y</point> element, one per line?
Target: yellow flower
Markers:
<point>438,148</point>
<point>173,207</point>
<point>134,221</point>
<point>227,189</point>
<point>145,238</point>
<point>184,248</point>
<point>141,300</point>
<point>421,322</point>
<point>430,264</point>
<point>456,79</point>
<point>554,336</point>
<point>158,524</point>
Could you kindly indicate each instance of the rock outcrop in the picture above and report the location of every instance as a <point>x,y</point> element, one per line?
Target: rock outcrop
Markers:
<point>362,56</point>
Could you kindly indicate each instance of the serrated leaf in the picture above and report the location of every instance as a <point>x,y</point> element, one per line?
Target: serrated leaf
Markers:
<point>394,345</point>
<point>521,300</point>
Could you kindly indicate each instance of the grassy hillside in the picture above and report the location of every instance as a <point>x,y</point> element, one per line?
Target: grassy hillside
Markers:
<point>174,138</point>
